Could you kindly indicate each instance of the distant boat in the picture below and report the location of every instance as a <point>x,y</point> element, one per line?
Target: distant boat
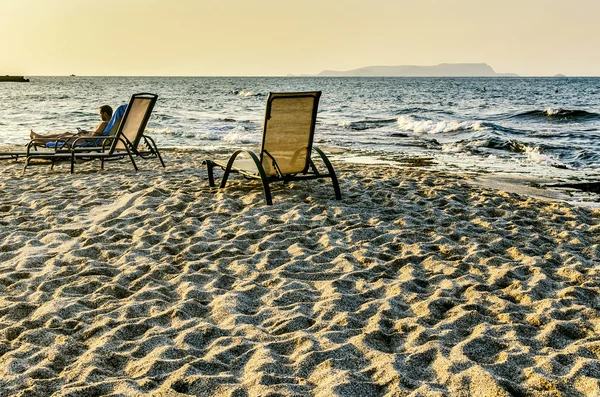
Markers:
<point>17,79</point>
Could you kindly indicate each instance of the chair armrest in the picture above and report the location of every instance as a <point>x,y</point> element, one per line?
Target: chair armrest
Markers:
<point>81,139</point>
<point>38,142</point>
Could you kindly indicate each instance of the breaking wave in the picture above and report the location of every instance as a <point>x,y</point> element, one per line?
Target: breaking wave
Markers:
<point>246,94</point>
<point>428,126</point>
<point>531,153</point>
<point>491,142</point>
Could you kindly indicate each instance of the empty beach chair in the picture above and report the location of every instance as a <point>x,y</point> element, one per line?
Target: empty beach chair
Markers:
<point>287,145</point>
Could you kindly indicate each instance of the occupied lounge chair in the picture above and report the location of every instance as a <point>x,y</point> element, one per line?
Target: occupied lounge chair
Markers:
<point>111,130</point>
<point>67,143</point>
<point>12,155</point>
<point>123,144</point>
<point>287,144</point>
<point>62,144</point>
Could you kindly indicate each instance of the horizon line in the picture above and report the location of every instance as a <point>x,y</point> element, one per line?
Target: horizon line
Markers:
<point>302,75</point>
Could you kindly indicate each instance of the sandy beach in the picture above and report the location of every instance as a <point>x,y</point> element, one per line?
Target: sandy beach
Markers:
<point>417,283</point>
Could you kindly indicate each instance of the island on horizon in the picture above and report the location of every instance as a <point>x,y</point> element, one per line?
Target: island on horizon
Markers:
<point>441,70</point>
<point>16,79</point>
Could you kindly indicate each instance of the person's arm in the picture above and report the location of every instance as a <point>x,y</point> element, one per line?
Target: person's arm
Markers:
<point>99,129</point>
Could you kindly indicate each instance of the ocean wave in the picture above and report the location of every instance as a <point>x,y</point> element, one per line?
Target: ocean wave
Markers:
<point>529,153</point>
<point>428,126</point>
<point>590,135</point>
<point>423,125</point>
<point>241,137</point>
<point>164,117</point>
<point>558,114</point>
<point>244,123</point>
<point>534,155</point>
<point>162,131</point>
<point>246,93</point>
<point>76,113</point>
<point>585,156</point>
<point>475,145</point>
<point>365,124</point>
<point>418,110</point>
<point>229,134</point>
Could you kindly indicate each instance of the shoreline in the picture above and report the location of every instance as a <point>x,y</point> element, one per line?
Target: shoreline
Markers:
<point>576,191</point>
<point>418,281</point>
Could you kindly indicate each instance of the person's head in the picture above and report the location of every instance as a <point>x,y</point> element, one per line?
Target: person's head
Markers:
<point>105,112</point>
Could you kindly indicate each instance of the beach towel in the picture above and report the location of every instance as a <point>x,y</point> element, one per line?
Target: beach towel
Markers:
<point>117,115</point>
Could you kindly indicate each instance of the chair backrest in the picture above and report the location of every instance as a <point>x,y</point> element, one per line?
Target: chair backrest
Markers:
<point>288,132</point>
<point>115,128</point>
<point>134,121</point>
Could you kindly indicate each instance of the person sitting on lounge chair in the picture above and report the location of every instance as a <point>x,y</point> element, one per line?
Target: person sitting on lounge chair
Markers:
<point>106,113</point>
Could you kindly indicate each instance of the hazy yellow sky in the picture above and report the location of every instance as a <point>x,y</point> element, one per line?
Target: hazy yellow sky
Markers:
<point>279,37</point>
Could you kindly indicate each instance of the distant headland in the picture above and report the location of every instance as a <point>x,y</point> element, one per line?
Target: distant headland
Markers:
<point>441,70</point>
<point>17,79</point>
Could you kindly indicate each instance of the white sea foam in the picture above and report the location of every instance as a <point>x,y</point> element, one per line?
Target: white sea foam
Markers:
<point>452,148</point>
<point>426,126</point>
<point>210,136</point>
<point>535,156</point>
<point>240,135</point>
<point>456,147</point>
<point>553,111</point>
<point>245,94</point>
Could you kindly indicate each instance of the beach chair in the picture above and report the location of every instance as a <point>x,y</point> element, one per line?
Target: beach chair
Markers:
<point>148,150</point>
<point>287,145</point>
<point>12,155</point>
<point>125,143</point>
<point>49,145</point>
<point>68,143</point>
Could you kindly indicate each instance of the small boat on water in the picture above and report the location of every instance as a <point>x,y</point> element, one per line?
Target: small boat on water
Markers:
<point>17,79</point>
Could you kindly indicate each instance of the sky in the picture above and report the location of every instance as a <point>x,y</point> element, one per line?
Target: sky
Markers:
<point>281,37</point>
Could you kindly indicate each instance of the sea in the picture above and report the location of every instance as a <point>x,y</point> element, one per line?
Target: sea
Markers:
<point>534,127</point>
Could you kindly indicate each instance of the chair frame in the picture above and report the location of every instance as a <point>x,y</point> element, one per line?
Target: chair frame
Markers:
<point>309,172</point>
<point>62,145</point>
<point>15,155</point>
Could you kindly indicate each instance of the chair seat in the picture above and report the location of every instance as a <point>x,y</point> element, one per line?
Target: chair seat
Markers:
<point>247,166</point>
